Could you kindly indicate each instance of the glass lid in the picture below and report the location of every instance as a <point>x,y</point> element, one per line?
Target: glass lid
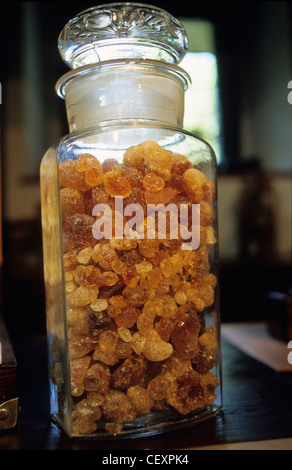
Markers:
<point>119,31</point>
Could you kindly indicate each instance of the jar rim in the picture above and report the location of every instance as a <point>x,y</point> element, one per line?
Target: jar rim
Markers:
<point>116,63</point>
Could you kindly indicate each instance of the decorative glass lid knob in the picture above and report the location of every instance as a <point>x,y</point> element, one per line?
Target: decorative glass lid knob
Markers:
<point>119,31</point>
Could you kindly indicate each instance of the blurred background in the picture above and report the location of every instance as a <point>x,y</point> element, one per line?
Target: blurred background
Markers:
<point>240,61</point>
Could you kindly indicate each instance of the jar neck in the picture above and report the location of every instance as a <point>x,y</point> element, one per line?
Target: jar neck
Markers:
<point>124,89</point>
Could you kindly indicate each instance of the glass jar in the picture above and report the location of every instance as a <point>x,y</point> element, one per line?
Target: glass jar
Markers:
<point>129,234</point>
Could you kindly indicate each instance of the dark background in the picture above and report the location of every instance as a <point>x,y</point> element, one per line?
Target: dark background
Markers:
<point>245,279</point>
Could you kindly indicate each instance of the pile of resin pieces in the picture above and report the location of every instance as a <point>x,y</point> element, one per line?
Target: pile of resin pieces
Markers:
<point>137,336</point>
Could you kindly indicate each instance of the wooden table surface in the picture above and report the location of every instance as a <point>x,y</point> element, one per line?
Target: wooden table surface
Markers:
<point>257,411</point>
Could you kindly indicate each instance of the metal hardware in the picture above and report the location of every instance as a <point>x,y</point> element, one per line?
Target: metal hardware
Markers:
<point>8,414</point>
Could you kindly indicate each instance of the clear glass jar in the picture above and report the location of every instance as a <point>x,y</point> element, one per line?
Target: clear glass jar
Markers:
<point>129,234</point>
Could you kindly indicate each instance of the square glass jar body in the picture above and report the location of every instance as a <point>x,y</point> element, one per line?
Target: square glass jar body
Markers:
<point>137,351</point>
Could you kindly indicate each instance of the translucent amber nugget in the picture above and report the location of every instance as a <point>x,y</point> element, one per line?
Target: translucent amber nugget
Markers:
<point>135,307</point>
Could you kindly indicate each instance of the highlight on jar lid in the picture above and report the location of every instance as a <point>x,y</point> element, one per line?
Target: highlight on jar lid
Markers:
<point>122,30</point>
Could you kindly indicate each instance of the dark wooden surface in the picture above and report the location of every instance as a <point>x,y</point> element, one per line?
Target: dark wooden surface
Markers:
<point>257,406</point>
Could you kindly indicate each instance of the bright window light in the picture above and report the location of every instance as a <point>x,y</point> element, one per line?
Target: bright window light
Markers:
<point>202,98</point>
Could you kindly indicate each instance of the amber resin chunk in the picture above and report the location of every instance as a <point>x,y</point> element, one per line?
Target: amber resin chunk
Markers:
<point>137,332</point>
